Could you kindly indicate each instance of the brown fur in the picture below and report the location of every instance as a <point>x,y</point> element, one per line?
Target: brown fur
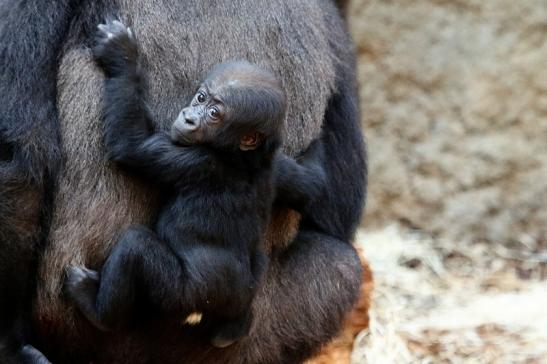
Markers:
<point>23,203</point>
<point>180,43</point>
<point>338,351</point>
<point>95,202</point>
<point>282,230</point>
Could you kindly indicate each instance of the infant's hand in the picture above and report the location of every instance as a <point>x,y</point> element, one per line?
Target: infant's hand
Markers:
<point>115,49</point>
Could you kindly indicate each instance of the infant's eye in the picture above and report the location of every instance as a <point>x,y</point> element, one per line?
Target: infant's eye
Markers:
<point>201,97</point>
<point>214,113</point>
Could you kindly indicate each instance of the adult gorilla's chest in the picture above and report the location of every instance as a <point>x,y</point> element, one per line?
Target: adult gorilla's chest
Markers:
<point>289,37</point>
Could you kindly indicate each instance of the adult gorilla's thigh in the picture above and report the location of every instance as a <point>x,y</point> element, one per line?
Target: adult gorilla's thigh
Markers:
<point>308,293</point>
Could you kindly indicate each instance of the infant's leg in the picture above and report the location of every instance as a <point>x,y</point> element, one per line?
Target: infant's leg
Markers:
<point>230,330</point>
<point>139,261</point>
<point>227,332</point>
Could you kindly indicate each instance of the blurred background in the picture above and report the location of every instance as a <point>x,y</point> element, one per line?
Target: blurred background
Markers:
<point>454,105</point>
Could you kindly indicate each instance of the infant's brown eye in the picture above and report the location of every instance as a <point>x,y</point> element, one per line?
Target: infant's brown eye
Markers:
<point>214,113</point>
<point>201,97</point>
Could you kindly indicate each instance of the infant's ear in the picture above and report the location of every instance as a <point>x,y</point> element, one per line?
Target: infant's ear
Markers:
<point>251,141</point>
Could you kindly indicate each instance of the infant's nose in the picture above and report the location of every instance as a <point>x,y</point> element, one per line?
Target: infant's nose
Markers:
<point>190,119</point>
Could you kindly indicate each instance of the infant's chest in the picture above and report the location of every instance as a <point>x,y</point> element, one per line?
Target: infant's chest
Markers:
<point>216,218</point>
<point>213,213</point>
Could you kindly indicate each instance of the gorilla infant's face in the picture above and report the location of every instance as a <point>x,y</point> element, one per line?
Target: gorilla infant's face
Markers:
<point>200,121</point>
<point>237,107</point>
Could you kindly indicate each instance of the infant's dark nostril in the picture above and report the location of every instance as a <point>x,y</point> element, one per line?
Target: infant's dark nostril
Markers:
<point>6,152</point>
<point>190,121</point>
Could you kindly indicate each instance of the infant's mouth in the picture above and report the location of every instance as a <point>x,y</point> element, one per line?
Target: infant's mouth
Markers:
<point>178,138</point>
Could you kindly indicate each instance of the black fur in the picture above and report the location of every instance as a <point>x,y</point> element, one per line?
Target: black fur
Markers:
<point>332,212</point>
<point>206,253</point>
<point>308,287</point>
<point>29,155</point>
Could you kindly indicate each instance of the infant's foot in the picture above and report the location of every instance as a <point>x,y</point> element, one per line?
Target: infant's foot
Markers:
<point>80,282</point>
<point>30,354</point>
<point>82,286</point>
<point>228,332</point>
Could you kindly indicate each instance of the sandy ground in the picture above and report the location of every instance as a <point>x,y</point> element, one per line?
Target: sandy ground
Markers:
<point>444,302</point>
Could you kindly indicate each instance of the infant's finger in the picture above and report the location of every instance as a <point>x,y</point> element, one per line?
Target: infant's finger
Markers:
<point>118,24</point>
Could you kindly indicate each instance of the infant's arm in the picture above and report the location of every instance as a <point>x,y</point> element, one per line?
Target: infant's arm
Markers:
<point>129,137</point>
<point>300,182</point>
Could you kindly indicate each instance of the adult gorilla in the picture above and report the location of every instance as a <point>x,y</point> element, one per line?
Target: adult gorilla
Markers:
<point>57,188</point>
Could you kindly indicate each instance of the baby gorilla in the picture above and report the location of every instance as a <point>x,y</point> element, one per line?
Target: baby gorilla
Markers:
<point>220,166</point>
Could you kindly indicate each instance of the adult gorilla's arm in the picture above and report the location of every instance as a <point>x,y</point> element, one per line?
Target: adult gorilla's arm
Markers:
<point>313,284</point>
<point>308,292</point>
<point>31,34</point>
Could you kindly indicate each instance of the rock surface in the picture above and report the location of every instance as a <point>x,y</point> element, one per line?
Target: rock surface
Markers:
<point>454,102</point>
